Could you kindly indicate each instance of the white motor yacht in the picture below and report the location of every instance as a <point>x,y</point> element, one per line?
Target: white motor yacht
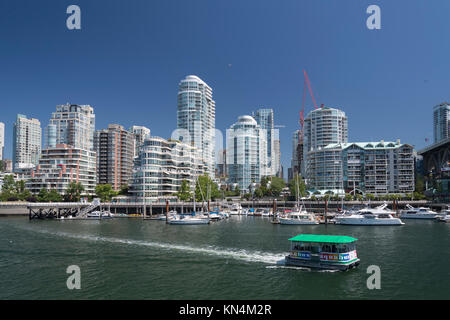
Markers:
<point>417,213</point>
<point>444,216</point>
<point>188,220</point>
<point>299,216</point>
<point>97,215</point>
<point>378,216</point>
<point>236,209</point>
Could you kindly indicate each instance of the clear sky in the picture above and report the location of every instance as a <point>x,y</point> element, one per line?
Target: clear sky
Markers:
<point>129,56</point>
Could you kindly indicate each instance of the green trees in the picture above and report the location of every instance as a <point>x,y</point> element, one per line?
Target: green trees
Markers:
<point>49,196</point>
<point>105,192</point>
<point>124,190</point>
<point>73,192</point>
<point>270,187</point>
<point>14,190</point>
<point>206,189</point>
<point>185,191</point>
<point>293,186</point>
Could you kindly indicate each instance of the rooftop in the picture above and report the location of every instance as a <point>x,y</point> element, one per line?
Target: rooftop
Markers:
<point>366,145</point>
<point>323,238</point>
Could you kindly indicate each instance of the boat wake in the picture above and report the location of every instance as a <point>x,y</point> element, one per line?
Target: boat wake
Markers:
<point>237,254</point>
<point>299,268</point>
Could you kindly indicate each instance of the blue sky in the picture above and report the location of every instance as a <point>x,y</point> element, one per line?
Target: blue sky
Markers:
<point>129,56</point>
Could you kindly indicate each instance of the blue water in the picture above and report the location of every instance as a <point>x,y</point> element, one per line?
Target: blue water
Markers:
<point>231,259</point>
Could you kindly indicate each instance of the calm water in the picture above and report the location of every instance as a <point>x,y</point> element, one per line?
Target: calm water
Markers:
<point>232,259</point>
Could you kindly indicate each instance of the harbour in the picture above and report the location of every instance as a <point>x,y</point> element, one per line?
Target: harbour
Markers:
<point>235,258</point>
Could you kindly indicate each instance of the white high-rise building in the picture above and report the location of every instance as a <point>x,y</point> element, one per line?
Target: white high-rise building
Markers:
<point>265,119</point>
<point>196,119</point>
<point>71,124</point>
<point>161,167</point>
<point>277,168</point>
<point>246,153</point>
<point>322,127</point>
<point>441,121</point>
<point>27,135</point>
<point>140,134</point>
<point>2,139</point>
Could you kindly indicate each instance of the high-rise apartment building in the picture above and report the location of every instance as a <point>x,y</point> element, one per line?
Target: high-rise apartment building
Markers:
<point>140,134</point>
<point>441,121</point>
<point>2,139</point>
<point>297,154</point>
<point>322,127</point>
<point>115,151</point>
<point>246,153</point>
<point>265,119</point>
<point>196,118</point>
<point>27,136</point>
<point>161,167</point>
<point>71,124</point>
<point>61,165</point>
<point>277,168</point>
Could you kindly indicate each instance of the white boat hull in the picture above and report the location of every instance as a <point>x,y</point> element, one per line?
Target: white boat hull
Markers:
<point>417,216</point>
<point>189,221</point>
<point>369,222</point>
<point>297,222</point>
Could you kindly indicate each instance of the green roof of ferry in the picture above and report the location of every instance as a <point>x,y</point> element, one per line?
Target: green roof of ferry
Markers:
<point>323,238</point>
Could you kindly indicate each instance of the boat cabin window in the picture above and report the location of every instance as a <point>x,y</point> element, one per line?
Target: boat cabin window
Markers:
<point>302,246</point>
<point>337,248</point>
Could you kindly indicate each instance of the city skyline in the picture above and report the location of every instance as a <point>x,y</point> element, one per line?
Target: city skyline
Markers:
<point>364,82</point>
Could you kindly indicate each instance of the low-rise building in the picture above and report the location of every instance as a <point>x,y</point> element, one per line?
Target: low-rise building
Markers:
<point>365,167</point>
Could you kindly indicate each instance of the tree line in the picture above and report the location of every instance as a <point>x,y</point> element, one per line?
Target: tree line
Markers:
<point>13,190</point>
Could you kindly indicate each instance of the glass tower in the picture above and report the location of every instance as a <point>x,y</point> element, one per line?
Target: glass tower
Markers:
<point>322,127</point>
<point>264,118</point>
<point>441,124</point>
<point>246,153</point>
<point>2,139</point>
<point>196,119</point>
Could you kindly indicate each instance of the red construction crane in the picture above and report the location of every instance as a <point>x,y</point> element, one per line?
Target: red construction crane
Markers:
<point>302,112</point>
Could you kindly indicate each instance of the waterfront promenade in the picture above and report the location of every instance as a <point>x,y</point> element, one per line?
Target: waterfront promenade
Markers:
<point>23,208</point>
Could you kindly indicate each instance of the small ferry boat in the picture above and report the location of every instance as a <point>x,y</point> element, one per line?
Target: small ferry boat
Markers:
<point>419,213</point>
<point>323,252</point>
<point>298,216</point>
